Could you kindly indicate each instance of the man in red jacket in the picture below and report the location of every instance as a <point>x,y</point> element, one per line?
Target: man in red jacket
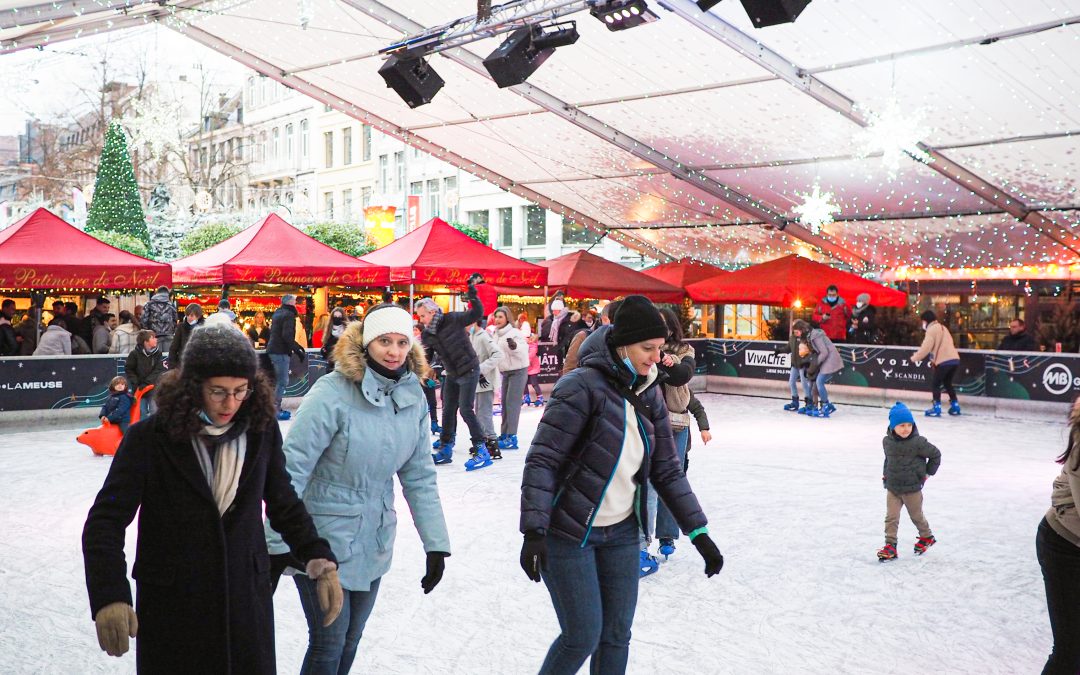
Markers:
<point>833,315</point>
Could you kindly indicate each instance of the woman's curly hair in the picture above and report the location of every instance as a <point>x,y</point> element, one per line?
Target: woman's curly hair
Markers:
<point>180,399</point>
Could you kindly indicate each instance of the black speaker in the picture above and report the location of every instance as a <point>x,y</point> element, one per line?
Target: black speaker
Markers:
<point>516,58</point>
<point>412,78</point>
<point>772,12</point>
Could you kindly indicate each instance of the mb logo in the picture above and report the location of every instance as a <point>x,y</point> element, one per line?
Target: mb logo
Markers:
<point>1057,379</point>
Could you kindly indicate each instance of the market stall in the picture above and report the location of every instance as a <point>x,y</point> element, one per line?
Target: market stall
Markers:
<point>585,275</point>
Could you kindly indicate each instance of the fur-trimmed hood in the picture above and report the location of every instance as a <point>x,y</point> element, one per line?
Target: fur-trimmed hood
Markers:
<point>350,361</point>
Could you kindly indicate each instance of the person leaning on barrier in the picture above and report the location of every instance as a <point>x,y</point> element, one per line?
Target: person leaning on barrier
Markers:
<point>1018,339</point>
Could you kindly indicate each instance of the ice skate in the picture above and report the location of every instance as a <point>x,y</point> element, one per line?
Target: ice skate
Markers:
<point>934,410</point>
<point>526,401</point>
<point>807,407</point>
<point>887,553</point>
<point>492,446</point>
<point>435,428</point>
<point>954,408</point>
<point>923,543</point>
<point>648,565</point>
<point>509,442</point>
<point>667,547</point>
<point>793,406</point>
<point>539,401</point>
<point>479,459</point>
<point>444,455</point>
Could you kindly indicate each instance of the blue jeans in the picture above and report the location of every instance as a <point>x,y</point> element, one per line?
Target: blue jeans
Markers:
<point>281,375</point>
<point>460,392</point>
<point>820,381</point>
<point>660,519</point>
<point>332,649</point>
<point>594,590</point>
<point>793,378</point>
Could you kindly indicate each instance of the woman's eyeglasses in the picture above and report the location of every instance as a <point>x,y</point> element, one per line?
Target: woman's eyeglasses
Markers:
<point>219,395</point>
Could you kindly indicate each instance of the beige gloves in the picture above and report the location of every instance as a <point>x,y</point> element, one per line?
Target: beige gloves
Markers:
<point>115,623</point>
<point>328,588</point>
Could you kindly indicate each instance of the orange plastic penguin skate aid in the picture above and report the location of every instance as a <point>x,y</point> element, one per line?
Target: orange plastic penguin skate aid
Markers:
<point>104,440</point>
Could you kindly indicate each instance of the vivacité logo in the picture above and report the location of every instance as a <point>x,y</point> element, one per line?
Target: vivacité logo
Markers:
<point>767,359</point>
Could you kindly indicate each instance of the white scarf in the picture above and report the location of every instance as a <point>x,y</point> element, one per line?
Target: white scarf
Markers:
<point>222,470</point>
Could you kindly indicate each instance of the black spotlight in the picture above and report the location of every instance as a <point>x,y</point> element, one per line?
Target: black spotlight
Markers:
<point>772,12</point>
<point>706,5</point>
<point>412,78</point>
<point>623,14</point>
<point>525,50</point>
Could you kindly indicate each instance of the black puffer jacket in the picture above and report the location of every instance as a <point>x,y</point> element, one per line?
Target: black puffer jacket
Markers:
<point>577,445</point>
<point>908,461</point>
<point>283,331</point>
<point>451,342</point>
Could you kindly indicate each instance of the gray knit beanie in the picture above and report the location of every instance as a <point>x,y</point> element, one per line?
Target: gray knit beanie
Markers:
<point>218,350</point>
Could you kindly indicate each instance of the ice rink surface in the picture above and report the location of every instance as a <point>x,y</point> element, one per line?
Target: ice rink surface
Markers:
<point>795,504</point>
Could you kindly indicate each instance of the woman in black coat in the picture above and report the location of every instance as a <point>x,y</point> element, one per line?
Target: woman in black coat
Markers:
<point>604,433</point>
<point>198,473</point>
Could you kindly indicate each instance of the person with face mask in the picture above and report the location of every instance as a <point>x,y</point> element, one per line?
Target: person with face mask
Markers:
<point>604,432</point>
<point>863,329</point>
<point>333,333</point>
<point>833,315</point>
<point>938,346</point>
<point>193,318</point>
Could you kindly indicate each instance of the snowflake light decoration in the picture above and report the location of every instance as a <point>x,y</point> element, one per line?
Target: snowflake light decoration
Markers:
<point>817,209</point>
<point>153,126</point>
<point>896,135</point>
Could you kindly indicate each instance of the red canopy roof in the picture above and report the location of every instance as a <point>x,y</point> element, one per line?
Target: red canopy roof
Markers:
<point>785,280</point>
<point>274,251</point>
<point>683,272</point>
<point>44,251</point>
<point>438,253</point>
<point>585,275</point>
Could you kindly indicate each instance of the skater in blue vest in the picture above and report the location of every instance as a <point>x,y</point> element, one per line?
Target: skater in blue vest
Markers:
<point>909,459</point>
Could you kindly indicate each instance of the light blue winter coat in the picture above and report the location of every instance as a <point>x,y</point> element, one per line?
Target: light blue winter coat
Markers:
<point>354,431</point>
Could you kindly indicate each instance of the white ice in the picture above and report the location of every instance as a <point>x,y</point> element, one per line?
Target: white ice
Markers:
<point>795,504</point>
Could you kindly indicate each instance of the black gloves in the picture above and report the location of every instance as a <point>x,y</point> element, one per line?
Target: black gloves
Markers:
<point>533,554</point>
<point>436,563</point>
<point>483,381</point>
<point>714,562</point>
<point>511,343</point>
<point>301,353</point>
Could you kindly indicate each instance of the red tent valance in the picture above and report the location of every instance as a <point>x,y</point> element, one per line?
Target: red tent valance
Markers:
<point>43,251</point>
<point>273,251</point>
<point>682,273</point>
<point>789,279</point>
<point>585,275</point>
<point>438,253</point>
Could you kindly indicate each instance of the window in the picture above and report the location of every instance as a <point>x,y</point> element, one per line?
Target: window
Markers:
<point>304,144</point>
<point>289,143</point>
<point>346,205</point>
<point>415,152</point>
<point>506,226</point>
<point>326,107</point>
<point>535,227</point>
<point>573,233</point>
<point>275,145</point>
<point>450,190</point>
<point>328,148</point>
<point>365,132</point>
<point>328,205</point>
<point>346,146</point>
<point>399,167</point>
<point>478,219</point>
<point>416,188</point>
<point>384,173</point>
<point>262,146</point>
<point>434,198</point>
<point>365,197</point>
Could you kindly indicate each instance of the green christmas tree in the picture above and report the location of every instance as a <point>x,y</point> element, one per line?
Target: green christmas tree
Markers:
<point>116,206</point>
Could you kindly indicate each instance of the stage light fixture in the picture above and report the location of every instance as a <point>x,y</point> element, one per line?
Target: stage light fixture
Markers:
<point>412,78</point>
<point>772,12</point>
<point>526,49</point>
<point>706,5</point>
<point>623,14</point>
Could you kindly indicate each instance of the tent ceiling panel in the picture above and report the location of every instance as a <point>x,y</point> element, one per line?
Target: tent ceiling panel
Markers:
<point>727,245</point>
<point>1042,173</point>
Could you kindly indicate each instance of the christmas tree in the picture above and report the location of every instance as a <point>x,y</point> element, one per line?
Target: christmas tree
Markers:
<point>116,206</point>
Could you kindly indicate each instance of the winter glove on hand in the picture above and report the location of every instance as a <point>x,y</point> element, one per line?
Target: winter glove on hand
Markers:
<point>115,623</point>
<point>533,554</point>
<point>483,381</point>
<point>301,354</point>
<point>436,563</point>
<point>328,588</point>
<point>511,343</point>
<point>714,562</point>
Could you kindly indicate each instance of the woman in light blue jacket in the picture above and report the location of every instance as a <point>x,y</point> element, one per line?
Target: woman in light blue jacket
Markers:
<point>358,427</point>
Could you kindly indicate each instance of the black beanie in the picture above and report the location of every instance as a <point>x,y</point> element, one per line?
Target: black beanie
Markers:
<point>637,320</point>
<point>218,351</point>
<point>928,316</point>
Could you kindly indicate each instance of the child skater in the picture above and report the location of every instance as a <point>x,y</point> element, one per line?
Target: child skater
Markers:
<point>117,408</point>
<point>909,459</point>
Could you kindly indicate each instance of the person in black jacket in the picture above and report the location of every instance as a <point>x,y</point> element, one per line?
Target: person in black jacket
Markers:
<point>193,318</point>
<point>1018,339</point>
<point>445,335</point>
<point>198,473</point>
<point>145,365</point>
<point>604,432</point>
<point>281,346</point>
<point>863,329</point>
<point>9,343</point>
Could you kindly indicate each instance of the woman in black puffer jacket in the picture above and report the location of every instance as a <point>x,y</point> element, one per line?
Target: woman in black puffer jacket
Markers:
<point>604,432</point>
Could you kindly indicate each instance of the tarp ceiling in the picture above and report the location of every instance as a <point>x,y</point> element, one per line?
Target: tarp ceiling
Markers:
<point>586,275</point>
<point>273,251</point>
<point>43,251</point>
<point>698,135</point>
<point>437,253</point>
<point>790,280</point>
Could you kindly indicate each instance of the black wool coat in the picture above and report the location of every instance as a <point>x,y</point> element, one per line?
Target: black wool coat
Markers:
<point>202,580</point>
<point>577,446</point>
<point>450,341</point>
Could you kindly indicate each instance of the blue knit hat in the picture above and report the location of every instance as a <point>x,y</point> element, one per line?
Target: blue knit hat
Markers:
<point>899,414</point>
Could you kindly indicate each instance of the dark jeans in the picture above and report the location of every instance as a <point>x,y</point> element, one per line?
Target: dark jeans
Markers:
<point>460,392</point>
<point>1060,562</point>
<point>331,650</point>
<point>432,404</point>
<point>534,382</point>
<point>594,590</point>
<point>666,527</point>
<point>943,377</point>
<point>281,375</point>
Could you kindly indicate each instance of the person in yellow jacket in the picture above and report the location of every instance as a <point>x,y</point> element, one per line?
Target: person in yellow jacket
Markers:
<point>938,345</point>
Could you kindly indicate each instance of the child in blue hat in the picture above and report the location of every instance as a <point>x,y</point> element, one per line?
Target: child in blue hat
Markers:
<point>909,459</point>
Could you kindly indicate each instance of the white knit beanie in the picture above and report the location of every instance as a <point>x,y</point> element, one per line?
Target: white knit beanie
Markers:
<point>385,319</point>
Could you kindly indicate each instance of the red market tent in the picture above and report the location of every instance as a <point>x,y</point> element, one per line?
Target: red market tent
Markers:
<point>274,251</point>
<point>682,273</point>
<point>585,275</point>
<point>788,280</point>
<point>43,251</point>
<point>437,253</point>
